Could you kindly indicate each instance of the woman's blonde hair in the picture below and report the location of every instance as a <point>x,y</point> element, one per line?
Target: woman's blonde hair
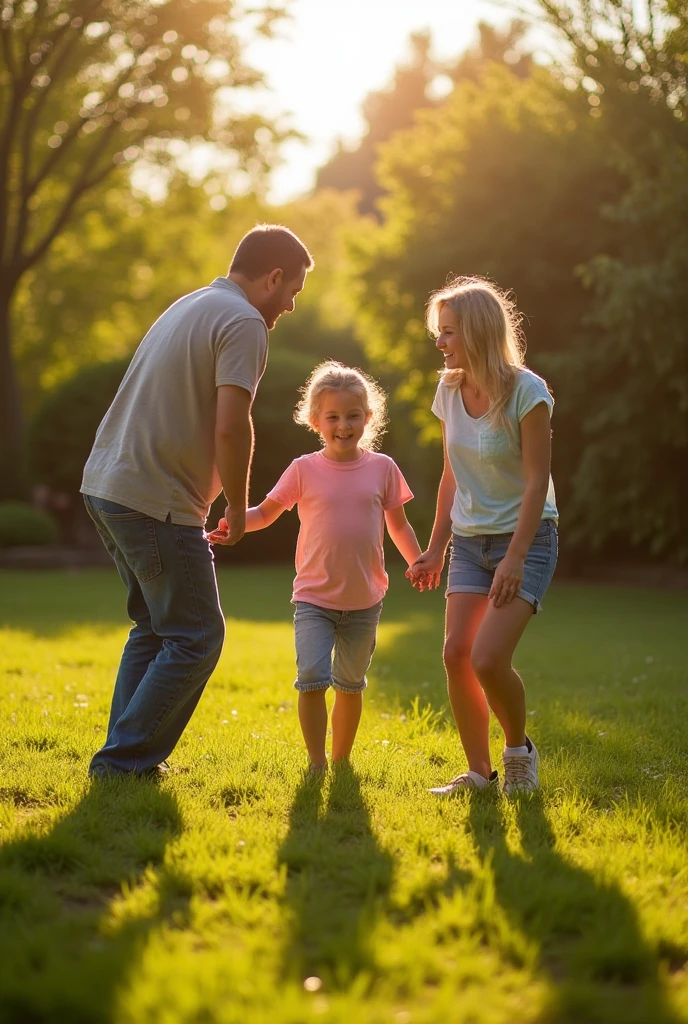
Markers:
<point>493,339</point>
<point>334,376</point>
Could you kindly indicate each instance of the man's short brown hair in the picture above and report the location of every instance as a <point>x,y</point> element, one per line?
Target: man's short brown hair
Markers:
<point>268,247</point>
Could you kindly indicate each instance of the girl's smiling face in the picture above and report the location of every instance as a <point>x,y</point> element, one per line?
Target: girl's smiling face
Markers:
<point>450,341</point>
<point>341,422</point>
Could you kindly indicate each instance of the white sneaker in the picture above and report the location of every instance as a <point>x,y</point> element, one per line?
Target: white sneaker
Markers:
<point>468,780</point>
<point>521,770</point>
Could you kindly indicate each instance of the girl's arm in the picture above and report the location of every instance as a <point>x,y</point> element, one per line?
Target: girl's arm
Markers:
<point>431,562</point>
<point>263,515</point>
<point>402,533</point>
<point>536,446</point>
<point>257,518</point>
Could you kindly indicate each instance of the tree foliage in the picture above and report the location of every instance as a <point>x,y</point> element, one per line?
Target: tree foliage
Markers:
<point>395,107</point>
<point>64,426</point>
<point>90,86</point>
<point>567,185</point>
<point>628,376</point>
<point>21,524</point>
<point>81,319</point>
<point>111,274</point>
<point>504,181</point>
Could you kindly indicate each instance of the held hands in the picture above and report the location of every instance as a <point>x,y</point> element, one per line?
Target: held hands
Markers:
<point>230,529</point>
<point>425,572</point>
<point>507,580</point>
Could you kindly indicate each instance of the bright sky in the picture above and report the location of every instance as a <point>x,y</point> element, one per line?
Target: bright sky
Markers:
<point>331,54</point>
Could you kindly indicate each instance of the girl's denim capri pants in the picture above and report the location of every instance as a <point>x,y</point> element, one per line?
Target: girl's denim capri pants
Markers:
<point>350,634</point>
<point>474,560</point>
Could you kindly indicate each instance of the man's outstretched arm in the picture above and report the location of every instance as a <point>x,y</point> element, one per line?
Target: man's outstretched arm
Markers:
<point>233,453</point>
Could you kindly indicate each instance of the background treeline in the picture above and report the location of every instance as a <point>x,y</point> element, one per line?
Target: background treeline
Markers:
<point>565,180</point>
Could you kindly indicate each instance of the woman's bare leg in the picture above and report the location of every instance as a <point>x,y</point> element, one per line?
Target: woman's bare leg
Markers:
<point>493,648</point>
<point>468,703</point>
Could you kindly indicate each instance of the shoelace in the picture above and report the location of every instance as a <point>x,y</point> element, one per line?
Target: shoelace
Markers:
<point>462,779</point>
<point>518,769</point>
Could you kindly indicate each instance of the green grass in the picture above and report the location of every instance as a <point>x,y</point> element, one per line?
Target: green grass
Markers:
<point>213,895</point>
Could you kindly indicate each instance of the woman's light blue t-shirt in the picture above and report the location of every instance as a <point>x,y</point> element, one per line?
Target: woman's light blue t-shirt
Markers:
<point>487,461</point>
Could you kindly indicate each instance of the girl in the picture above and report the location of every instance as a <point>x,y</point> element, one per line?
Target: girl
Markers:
<point>496,503</point>
<point>345,494</point>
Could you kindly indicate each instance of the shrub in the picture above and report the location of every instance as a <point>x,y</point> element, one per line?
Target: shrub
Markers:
<point>62,432</point>
<point>21,524</point>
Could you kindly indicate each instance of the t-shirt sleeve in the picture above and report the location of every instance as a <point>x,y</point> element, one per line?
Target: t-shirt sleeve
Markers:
<point>241,354</point>
<point>438,403</point>
<point>530,395</point>
<point>397,491</point>
<point>287,490</point>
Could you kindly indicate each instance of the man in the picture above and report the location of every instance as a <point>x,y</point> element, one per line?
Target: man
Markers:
<point>178,431</point>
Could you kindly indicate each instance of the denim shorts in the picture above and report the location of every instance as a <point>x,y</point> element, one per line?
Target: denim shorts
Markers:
<point>320,631</point>
<point>474,560</point>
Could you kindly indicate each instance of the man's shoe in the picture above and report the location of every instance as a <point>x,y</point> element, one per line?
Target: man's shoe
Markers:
<point>467,780</point>
<point>521,770</point>
<point>158,771</point>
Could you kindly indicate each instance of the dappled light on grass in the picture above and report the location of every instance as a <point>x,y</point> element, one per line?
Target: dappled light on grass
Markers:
<point>238,879</point>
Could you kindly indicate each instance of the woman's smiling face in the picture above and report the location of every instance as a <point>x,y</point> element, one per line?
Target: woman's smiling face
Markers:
<point>450,341</point>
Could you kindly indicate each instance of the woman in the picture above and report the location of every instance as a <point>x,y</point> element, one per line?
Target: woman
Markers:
<point>496,503</point>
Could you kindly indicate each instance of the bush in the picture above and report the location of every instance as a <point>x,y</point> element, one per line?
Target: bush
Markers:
<point>23,524</point>
<point>64,427</point>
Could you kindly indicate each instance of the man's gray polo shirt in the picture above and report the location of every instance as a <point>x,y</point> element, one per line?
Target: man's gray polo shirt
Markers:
<point>155,449</point>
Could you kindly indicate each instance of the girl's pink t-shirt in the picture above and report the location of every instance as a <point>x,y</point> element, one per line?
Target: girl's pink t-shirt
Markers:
<point>340,560</point>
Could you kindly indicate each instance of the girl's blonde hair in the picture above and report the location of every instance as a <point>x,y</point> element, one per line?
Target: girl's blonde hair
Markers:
<point>334,376</point>
<point>493,339</point>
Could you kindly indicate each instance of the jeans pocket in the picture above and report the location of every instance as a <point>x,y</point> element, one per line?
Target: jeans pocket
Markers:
<point>134,534</point>
<point>544,533</point>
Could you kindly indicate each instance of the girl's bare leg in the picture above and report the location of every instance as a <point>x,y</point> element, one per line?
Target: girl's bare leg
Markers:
<point>346,714</point>
<point>313,719</point>
<point>468,703</point>
<point>493,648</point>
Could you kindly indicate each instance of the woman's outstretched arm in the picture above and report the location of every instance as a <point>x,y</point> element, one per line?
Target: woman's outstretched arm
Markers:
<point>431,562</point>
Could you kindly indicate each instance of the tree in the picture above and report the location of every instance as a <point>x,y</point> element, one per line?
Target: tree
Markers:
<point>495,45</point>
<point>506,180</point>
<point>79,326</point>
<point>87,89</point>
<point>628,376</point>
<point>568,186</point>
<point>111,273</point>
<point>69,312</point>
<point>395,108</point>
<point>385,112</point>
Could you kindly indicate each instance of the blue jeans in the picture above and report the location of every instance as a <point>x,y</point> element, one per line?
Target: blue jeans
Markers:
<point>176,639</point>
<point>352,635</point>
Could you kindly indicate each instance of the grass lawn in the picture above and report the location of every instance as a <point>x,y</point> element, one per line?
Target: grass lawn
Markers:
<point>237,890</point>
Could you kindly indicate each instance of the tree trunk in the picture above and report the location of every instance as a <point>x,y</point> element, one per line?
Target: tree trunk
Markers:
<point>13,469</point>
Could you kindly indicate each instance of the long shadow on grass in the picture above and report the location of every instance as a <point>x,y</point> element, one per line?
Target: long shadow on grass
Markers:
<point>586,932</point>
<point>68,940</point>
<point>338,878</point>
